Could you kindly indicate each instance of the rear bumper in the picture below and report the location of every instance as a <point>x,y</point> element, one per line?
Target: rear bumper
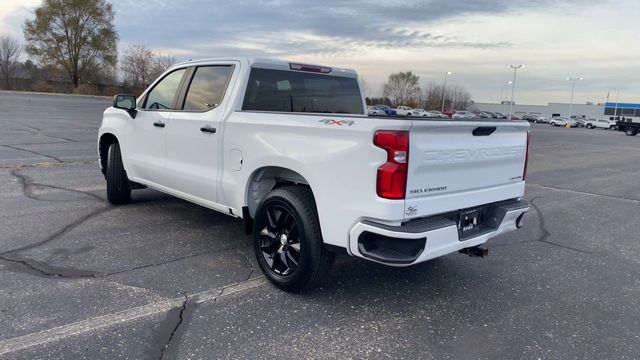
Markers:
<point>423,239</point>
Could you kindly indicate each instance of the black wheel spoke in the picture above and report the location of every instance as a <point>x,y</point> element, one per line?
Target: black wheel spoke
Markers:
<point>291,226</point>
<point>285,263</point>
<point>268,258</point>
<point>279,241</point>
<point>271,217</point>
<point>292,259</point>
<point>283,219</point>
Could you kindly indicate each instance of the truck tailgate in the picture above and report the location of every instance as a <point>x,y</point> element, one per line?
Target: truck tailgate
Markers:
<point>459,164</point>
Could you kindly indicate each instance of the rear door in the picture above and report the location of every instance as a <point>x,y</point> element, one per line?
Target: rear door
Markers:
<point>458,163</point>
<point>193,139</point>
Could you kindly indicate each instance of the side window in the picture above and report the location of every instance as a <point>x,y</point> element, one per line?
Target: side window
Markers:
<point>207,87</point>
<point>162,95</point>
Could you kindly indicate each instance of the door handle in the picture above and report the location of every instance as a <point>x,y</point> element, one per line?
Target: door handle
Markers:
<point>208,129</point>
<point>159,124</point>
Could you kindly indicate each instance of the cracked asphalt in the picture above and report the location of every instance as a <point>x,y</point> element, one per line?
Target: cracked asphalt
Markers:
<point>163,278</point>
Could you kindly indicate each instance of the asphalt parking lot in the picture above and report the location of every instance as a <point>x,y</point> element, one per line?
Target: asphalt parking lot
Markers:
<point>161,277</point>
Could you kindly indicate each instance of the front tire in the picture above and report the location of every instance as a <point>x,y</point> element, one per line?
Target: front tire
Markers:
<point>118,185</point>
<point>288,242</point>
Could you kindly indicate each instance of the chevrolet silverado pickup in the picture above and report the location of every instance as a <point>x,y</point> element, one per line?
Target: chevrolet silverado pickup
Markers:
<point>289,148</point>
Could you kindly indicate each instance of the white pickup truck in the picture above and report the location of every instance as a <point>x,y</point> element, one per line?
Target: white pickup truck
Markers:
<point>289,148</point>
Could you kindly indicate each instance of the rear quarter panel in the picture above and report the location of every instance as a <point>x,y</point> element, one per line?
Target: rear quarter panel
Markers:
<point>334,154</point>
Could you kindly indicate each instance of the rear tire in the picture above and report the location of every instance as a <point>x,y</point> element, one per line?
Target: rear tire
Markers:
<point>118,185</point>
<point>630,131</point>
<point>288,242</point>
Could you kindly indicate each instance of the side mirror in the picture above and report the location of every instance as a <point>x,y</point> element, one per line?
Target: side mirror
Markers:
<point>126,102</point>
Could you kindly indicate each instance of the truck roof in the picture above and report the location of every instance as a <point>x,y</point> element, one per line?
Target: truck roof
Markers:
<point>275,64</point>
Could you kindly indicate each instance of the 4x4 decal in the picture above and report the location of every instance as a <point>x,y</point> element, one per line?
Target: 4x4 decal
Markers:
<point>337,122</point>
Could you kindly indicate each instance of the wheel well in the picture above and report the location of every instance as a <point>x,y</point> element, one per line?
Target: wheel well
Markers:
<point>105,141</point>
<point>266,179</point>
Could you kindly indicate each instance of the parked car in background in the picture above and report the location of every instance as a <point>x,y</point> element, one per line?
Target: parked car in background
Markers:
<point>436,114</point>
<point>529,117</point>
<point>578,123</point>
<point>558,121</point>
<point>485,115</point>
<point>388,110</point>
<point>630,128</point>
<point>375,112</point>
<point>420,112</point>
<point>600,124</point>
<point>500,115</point>
<point>404,111</point>
<point>515,117</point>
<point>539,119</point>
<point>449,113</point>
<point>463,115</point>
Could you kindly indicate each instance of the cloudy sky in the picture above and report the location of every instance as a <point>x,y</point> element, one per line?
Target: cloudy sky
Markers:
<point>476,40</point>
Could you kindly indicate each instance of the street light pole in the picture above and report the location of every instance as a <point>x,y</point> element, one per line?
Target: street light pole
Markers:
<point>573,87</point>
<point>513,89</point>
<point>444,88</point>
<point>505,88</point>
<point>615,111</point>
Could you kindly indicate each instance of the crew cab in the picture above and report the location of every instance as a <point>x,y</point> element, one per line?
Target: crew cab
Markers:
<point>289,148</point>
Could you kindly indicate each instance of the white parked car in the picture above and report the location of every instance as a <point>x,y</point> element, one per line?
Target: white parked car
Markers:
<point>601,124</point>
<point>463,115</point>
<point>558,121</point>
<point>289,149</point>
<point>405,111</point>
<point>539,119</point>
<point>419,112</point>
<point>376,112</point>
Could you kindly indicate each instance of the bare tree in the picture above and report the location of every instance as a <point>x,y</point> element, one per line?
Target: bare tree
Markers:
<point>455,97</point>
<point>136,66</point>
<point>141,66</point>
<point>10,50</point>
<point>402,87</point>
<point>160,64</point>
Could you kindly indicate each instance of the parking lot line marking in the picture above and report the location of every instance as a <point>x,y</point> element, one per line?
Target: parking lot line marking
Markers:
<point>121,317</point>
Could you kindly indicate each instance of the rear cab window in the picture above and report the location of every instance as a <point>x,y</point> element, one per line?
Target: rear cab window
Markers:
<point>303,92</point>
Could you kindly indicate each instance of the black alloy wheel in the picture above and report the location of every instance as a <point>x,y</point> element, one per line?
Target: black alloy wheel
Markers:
<point>280,240</point>
<point>288,241</point>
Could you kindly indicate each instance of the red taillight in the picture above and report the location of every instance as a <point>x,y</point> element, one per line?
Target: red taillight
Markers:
<point>526,156</point>
<point>392,175</point>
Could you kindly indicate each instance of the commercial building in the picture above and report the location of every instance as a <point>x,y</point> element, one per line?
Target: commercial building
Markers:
<point>624,111</point>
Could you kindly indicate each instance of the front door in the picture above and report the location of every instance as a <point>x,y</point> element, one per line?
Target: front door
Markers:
<point>194,136</point>
<point>146,144</point>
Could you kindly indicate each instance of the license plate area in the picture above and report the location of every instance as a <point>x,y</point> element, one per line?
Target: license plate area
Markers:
<point>475,222</point>
<point>469,220</point>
